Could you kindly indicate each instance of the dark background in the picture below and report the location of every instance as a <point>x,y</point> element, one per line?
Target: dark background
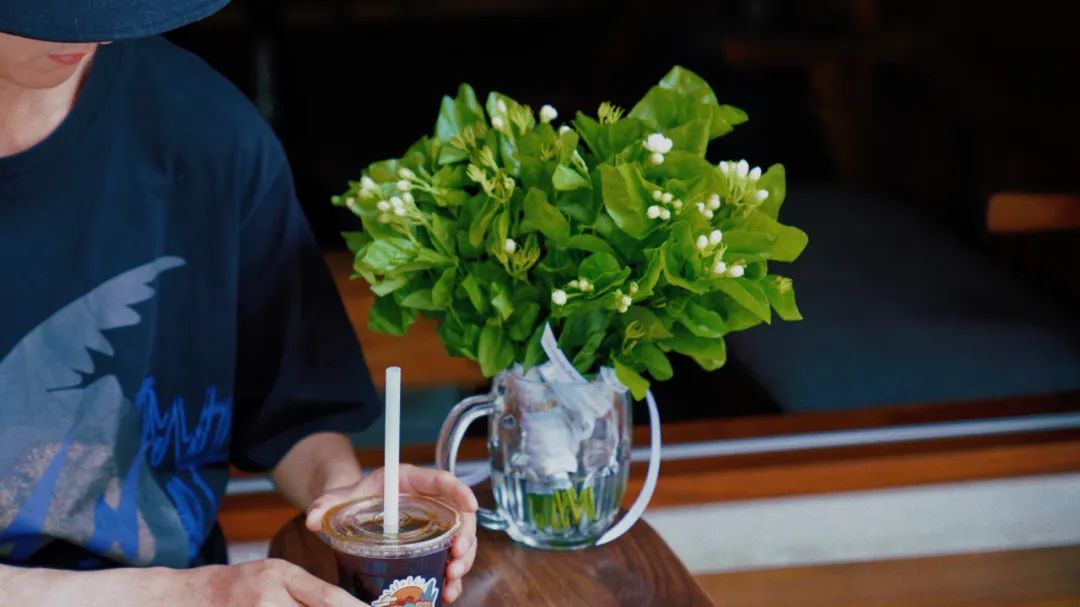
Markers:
<point>935,103</point>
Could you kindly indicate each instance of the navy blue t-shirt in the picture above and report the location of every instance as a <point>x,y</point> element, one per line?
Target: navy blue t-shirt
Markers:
<point>164,311</point>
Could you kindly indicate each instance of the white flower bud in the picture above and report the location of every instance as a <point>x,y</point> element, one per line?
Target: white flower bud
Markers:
<point>719,268</point>
<point>656,158</point>
<point>397,203</point>
<point>574,284</point>
<point>625,302</point>
<point>700,207</point>
<point>405,173</point>
<point>667,197</point>
<point>633,288</point>
<point>407,197</point>
<point>755,173</point>
<point>558,297</point>
<point>736,271</point>
<point>383,206</point>
<point>510,246</point>
<point>743,168</point>
<point>702,242</point>
<point>652,212</point>
<point>665,214</point>
<point>367,184</point>
<point>676,204</point>
<point>497,122</point>
<point>714,202</point>
<point>657,195</point>
<point>708,214</point>
<point>761,195</point>
<point>350,202</point>
<point>585,285</point>
<point>399,211</point>
<point>564,129</point>
<point>404,186</point>
<point>384,218</point>
<point>547,113</point>
<point>658,144</point>
<point>715,237</point>
<point>500,106</point>
<point>725,167</point>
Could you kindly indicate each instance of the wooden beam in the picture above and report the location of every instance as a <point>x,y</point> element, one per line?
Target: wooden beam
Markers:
<point>1019,212</point>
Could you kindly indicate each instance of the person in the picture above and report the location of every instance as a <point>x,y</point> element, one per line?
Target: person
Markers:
<point>166,313</point>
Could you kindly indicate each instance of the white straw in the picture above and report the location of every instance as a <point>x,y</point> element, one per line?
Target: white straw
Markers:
<point>392,450</point>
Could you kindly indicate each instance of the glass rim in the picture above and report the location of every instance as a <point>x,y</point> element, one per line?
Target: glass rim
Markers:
<point>516,373</point>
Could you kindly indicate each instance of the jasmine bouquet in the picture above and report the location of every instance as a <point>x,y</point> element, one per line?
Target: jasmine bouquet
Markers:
<point>613,228</point>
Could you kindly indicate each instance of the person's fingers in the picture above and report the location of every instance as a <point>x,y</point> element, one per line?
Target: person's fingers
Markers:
<point>466,538</point>
<point>439,483</point>
<point>451,591</point>
<point>310,591</point>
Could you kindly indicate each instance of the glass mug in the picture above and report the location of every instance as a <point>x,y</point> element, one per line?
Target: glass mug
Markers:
<point>559,454</point>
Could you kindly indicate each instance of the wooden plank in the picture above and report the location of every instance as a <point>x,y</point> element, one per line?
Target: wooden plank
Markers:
<point>1018,212</point>
<point>1044,577</point>
<point>420,354</point>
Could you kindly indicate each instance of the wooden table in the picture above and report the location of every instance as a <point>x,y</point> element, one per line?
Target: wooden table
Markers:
<point>637,570</point>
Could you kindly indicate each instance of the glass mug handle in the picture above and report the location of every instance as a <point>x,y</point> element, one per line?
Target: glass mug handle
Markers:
<point>446,450</point>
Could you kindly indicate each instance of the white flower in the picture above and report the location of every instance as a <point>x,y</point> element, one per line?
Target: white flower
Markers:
<point>665,214</point>
<point>725,167</point>
<point>708,214</point>
<point>702,242</point>
<point>657,195</point>
<point>383,206</point>
<point>500,106</point>
<point>497,122</point>
<point>399,211</point>
<point>547,113</point>
<point>407,197</point>
<point>405,173</point>
<point>667,197</point>
<point>755,173</point>
<point>715,237</point>
<point>652,212</point>
<point>510,246</point>
<point>657,143</point>
<point>743,168</point>
<point>367,184</point>
<point>736,271</point>
<point>624,302</point>
<point>761,195</point>
<point>714,202</point>
<point>397,203</point>
<point>564,129</point>
<point>404,186</point>
<point>719,268</point>
<point>676,204</point>
<point>656,158</point>
<point>700,207</point>
<point>558,297</point>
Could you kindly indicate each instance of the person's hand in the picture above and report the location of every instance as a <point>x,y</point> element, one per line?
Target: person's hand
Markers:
<point>419,481</point>
<point>265,583</point>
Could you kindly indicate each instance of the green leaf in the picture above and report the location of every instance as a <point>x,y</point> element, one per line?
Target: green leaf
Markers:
<point>631,379</point>
<point>747,294</point>
<point>654,359</point>
<point>478,228</point>
<point>388,317</point>
<point>565,179</point>
<point>534,351</point>
<point>421,300</point>
<point>624,199</point>
<point>781,295</point>
<point>603,270</point>
<point>702,321</point>
<point>500,300</point>
<point>475,293</point>
<point>494,352</point>
<point>385,255</point>
<point>590,243</point>
<point>709,353</point>
<point>648,322</point>
<point>748,241</point>
<point>388,286</point>
<point>442,233</point>
<point>774,181</point>
<point>692,137</point>
<point>545,216</point>
<point>790,241</point>
<point>456,114</point>
<point>443,291</point>
<point>523,320</point>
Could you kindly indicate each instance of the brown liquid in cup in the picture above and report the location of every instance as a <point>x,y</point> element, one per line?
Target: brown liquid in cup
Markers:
<point>405,569</point>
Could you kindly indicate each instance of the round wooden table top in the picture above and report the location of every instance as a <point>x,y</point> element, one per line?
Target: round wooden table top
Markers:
<point>637,570</point>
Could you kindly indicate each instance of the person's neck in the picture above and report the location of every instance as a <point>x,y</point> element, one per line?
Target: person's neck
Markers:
<point>28,116</point>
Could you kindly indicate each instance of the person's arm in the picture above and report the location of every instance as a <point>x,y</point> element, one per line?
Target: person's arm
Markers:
<point>315,466</point>
<point>266,582</point>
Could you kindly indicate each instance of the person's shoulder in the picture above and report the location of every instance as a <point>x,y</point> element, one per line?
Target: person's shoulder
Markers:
<point>185,102</point>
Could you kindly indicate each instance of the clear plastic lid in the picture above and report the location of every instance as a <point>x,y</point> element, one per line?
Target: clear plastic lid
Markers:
<point>425,525</point>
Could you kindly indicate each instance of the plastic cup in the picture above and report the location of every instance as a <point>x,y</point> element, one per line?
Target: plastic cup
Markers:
<point>392,570</point>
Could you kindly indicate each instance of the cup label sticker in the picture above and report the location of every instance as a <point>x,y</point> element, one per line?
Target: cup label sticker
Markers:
<point>413,591</point>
